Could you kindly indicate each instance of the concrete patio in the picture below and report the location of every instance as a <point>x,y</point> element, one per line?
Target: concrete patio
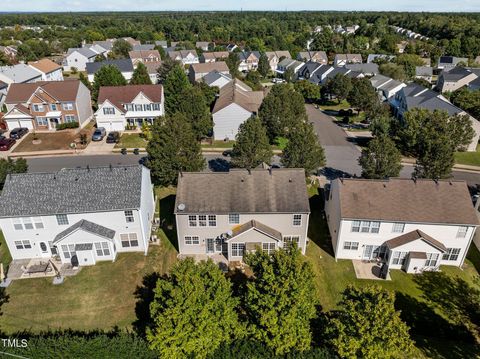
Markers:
<point>218,258</point>
<point>368,270</point>
<point>39,268</point>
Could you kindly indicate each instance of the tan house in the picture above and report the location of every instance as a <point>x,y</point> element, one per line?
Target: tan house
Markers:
<point>456,78</point>
<point>50,70</point>
<point>213,56</point>
<point>313,56</point>
<point>345,59</point>
<point>225,215</point>
<point>274,57</point>
<point>144,56</point>
<point>44,105</point>
<point>197,72</point>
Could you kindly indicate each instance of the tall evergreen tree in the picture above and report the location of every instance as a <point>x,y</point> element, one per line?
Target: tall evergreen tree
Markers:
<point>167,65</point>
<point>140,76</point>
<point>280,300</point>
<point>263,65</point>
<point>193,105</point>
<point>381,159</point>
<point>107,75</point>
<point>174,86</point>
<point>303,149</point>
<point>120,49</point>
<point>251,147</point>
<point>193,310</point>
<point>233,60</point>
<point>173,148</point>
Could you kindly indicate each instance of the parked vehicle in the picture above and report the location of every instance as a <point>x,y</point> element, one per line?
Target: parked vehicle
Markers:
<point>227,153</point>
<point>113,137</point>
<point>18,133</point>
<point>6,143</point>
<point>278,81</point>
<point>99,134</point>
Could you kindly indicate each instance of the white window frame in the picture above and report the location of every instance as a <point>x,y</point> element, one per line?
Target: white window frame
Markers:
<point>234,218</point>
<point>212,220</point>
<point>17,224</point>
<point>451,254</point>
<point>238,249</point>
<point>68,106</point>
<point>27,222</point>
<point>350,246</point>
<point>399,257</point>
<point>289,239</point>
<point>38,107</point>
<point>128,240</point>
<point>398,227</point>
<point>191,240</point>
<point>268,247</point>
<point>38,223</point>
<point>108,111</point>
<point>70,118</point>
<point>138,108</point>
<point>53,107</point>
<point>356,226</point>
<point>156,106</point>
<point>462,232</point>
<point>192,220</point>
<point>297,220</point>
<point>62,219</point>
<point>68,250</point>
<point>202,220</point>
<point>41,121</point>
<point>102,249</point>
<point>129,217</point>
<point>432,259</point>
<point>23,244</point>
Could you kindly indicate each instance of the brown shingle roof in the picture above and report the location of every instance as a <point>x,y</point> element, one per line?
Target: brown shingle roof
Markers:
<point>61,90</point>
<point>258,226</point>
<point>45,65</point>
<point>141,54</point>
<point>231,93</point>
<point>420,201</point>
<point>238,191</point>
<point>207,67</point>
<point>413,236</point>
<point>118,95</point>
<point>153,66</point>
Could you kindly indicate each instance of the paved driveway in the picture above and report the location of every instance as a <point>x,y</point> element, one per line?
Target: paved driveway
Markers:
<point>341,154</point>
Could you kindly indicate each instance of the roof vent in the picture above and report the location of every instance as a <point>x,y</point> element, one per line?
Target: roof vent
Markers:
<point>181,207</point>
<point>290,180</point>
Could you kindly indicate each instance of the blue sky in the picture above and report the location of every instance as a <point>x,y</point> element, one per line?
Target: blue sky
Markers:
<point>125,5</point>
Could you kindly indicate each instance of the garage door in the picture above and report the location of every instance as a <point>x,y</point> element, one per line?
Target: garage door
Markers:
<point>19,123</point>
<point>111,125</point>
<point>26,123</point>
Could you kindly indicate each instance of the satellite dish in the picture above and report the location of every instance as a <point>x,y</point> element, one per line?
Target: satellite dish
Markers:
<point>181,207</point>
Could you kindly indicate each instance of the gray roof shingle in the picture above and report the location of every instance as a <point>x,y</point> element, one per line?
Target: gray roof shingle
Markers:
<point>99,189</point>
<point>124,65</point>
<point>86,226</point>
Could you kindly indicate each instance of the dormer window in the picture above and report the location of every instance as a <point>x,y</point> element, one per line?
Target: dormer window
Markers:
<point>38,107</point>
<point>128,107</point>
<point>108,111</point>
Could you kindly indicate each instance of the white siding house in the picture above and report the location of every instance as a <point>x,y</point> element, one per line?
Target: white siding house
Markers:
<point>78,58</point>
<point>410,225</point>
<point>231,213</point>
<point>78,216</point>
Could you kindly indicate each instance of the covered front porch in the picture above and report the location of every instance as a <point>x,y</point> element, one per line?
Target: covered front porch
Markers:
<point>140,121</point>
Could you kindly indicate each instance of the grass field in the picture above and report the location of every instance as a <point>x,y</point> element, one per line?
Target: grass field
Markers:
<point>468,158</point>
<point>5,257</point>
<point>335,106</point>
<point>219,144</point>
<point>133,140</point>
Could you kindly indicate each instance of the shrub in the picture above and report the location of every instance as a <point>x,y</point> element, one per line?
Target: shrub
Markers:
<point>63,126</point>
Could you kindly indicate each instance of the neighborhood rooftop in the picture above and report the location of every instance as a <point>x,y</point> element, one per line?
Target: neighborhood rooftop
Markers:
<point>419,201</point>
<point>60,90</point>
<point>119,95</point>
<point>241,191</point>
<point>75,190</point>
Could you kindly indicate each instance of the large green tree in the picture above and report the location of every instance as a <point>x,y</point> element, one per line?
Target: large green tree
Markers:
<point>167,65</point>
<point>380,159</point>
<point>282,110</point>
<point>467,100</point>
<point>193,104</point>
<point>280,300</point>
<point>193,311</point>
<point>173,148</point>
<point>107,75</point>
<point>303,149</point>
<point>263,65</point>
<point>309,90</point>
<point>392,70</point>
<point>120,49</point>
<point>140,76</point>
<point>409,62</point>
<point>368,326</point>
<point>251,147</point>
<point>9,165</point>
<point>338,87</point>
<point>174,86</point>
<point>362,95</point>
<point>233,60</point>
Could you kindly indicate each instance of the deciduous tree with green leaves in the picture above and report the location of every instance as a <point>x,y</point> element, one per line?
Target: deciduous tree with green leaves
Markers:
<point>167,65</point>
<point>140,75</point>
<point>193,105</point>
<point>381,159</point>
<point>174,86</point>
<point>193,311</point>
<point>303,149</point>
<point>120,49</point>
<point>339,87</point>
<point>362,95</point>
<point>173,147</point>
<point>10,165</point>
<point>280,300</point>
<point>233,60</point>
<point>309,90</point>
<point>263,65</point>
<point>107,75</point>
<point>251,147</point>
<point>368,326</point>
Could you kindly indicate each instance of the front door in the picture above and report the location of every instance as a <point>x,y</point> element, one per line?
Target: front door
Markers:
<point>53,123</point>
<point>210,245</point>
<point>368,252</point>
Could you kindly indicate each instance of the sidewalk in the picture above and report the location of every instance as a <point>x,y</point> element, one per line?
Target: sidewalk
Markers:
<point>459,167</point>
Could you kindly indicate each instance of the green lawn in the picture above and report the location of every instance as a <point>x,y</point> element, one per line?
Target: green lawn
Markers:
<point>5,257</point>
<point>133,140</point>
<point>335,106</point>
<point>332,277</point>
<point>99,297</point>
<point>468,158</point>
<point>219,144</point>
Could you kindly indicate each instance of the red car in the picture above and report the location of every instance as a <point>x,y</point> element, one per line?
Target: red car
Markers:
<point>6,144</point>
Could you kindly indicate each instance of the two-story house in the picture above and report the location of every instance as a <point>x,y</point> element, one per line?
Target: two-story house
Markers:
<point>344,59</point>
<point>213,56</point>
<point>132,104</point>
<point>232,213</point>
<point>50,70</point>
<point>78,216</point>
<point>454,79</point>
<point>144,56</point>
<point>248,60</point>
<point>44,105</point>
<point>274,57</point>
<point>313,56</point>
<point>414,225</point>
<point>286,64</point>
<point>186,57</point>
<point>125,66</point>
<point>196,72</point>
<point>78,58</point>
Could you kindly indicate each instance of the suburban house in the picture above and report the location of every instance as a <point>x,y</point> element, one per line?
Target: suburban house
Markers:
<point>106,46</point>
<point>144,56</point>
<point>417,96</point>
<point>320,74</point>
<point>449,62</point>
<point>100,50</point>
<point>274,57</point>
<point>229,214</point>
<point>50,70</point>
<point>152,68</point>
<point>125,66</point>
<point>286,64</point>
<point>413,225</point>
<point>10,52</point>
<point>313,56</point>
<point>231,47</point>
<point>456,78</point>
<point>339,71</point>
<point>370,69</point>
<point>248,60</point>
<point>44,105</point>
<point>344,59</point>
<point>161,43</point>
<point>78,58</point>
<point>217,79</point>
<point>308,70</point>
<point>386,87</point>
<point>132,104</point>
<point>213,56</point>
<point>20,73</point>
<point>78,216</point>
<point>379,57</point>
<point>235,104</point>
<point>196,72</point>
<point>202,45</point>
<point>186,57</point>
<point>424,72</point>
<point>143,47</point>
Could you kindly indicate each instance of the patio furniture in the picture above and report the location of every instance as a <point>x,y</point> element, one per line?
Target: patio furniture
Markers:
<point>37,268</point>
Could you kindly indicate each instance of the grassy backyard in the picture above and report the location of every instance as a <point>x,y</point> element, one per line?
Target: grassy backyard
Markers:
<point>101,296</point>
<point>335,106</point>
<point>468,158</point>
<point>133,140</point>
